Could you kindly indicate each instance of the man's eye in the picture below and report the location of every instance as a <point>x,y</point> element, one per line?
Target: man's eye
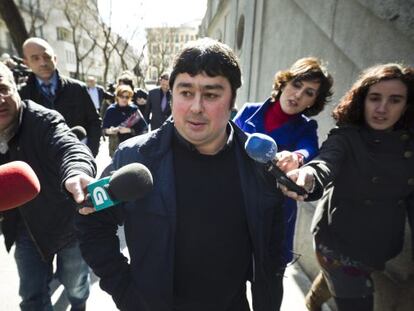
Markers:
<point>4,90</point>
<point>210,96</point>
<point>186,93</point>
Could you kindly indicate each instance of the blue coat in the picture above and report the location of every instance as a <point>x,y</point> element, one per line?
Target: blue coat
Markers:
<point>146,283</point>
<point>298,134</point>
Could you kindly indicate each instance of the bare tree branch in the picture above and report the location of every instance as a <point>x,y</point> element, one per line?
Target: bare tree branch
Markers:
<point>15,24</point>
<point>78,13</point>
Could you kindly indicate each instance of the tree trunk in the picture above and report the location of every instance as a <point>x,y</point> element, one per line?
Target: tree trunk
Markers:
<point>14,23</point>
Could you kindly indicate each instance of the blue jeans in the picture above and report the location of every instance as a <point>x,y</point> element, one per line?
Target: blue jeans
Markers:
<point>36,274</point>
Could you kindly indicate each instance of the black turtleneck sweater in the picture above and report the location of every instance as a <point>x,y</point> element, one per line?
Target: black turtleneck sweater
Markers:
<point>213,248</point>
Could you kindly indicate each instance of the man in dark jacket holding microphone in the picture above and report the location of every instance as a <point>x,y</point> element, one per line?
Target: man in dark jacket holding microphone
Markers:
<point>43,228</point>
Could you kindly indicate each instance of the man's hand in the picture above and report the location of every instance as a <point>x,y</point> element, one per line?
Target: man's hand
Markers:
<point>304,178</point>
<point>76,185</point>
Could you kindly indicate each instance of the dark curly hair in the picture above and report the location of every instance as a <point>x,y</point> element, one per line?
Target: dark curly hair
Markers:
<point>350,109</point>
<point>210,57</point>
<point>306,69</point>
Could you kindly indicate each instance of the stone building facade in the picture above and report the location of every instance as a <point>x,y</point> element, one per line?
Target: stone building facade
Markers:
<point>349,35</point>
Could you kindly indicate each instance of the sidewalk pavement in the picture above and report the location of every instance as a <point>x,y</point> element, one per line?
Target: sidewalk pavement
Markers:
<point>296,282</point>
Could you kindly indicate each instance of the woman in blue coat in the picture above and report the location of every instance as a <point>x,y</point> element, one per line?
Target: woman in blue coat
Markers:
<point>298,93</point>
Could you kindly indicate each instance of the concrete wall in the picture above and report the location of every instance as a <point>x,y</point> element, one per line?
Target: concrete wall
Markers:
<point>349,35</point>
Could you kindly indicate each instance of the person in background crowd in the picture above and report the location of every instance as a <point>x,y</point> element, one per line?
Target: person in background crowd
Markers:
<point>43,229</point>
<point>140,96</point>
<point>158,107</point>
<point>213,219</point>
<point>97,93</point>
<point>47,87</point>
<point>298,93</point>
<point>365,176</point>
<point>122,119</point>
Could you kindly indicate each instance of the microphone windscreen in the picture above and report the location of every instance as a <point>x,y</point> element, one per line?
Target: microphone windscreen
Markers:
<point>79,131</point>
<point>18,185</point>
<point>130,182</point>
<point>260,147</point>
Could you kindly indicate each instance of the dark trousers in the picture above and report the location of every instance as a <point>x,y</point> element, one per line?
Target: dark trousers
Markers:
<point>279,288</point>
<point>355,304</point>
<point>36,274</point>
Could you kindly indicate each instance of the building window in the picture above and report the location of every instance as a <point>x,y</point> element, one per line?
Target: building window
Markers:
<point>39,31</point>
<point>70,57</point>
<point>63,34</point>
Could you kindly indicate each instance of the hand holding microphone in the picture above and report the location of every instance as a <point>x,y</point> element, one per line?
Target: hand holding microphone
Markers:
<point>304,178</point>
<point>262,148</point>
<point>18,185</point>
<point>112,130</point>
<point>287,160</point>
<point>129,183</point>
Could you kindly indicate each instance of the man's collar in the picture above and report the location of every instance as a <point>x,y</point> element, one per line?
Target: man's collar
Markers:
<point>53,80</point>
<point>191,147</point>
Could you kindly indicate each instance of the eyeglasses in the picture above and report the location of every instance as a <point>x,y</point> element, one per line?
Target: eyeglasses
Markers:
<point>124,96</point>
<point>6,92</point>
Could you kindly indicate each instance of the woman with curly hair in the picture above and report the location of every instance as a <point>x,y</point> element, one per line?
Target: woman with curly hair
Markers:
<point>298,93</point>
<point>364,175</point>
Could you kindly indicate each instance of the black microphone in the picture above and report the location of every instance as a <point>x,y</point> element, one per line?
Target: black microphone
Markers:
<point>79,131</point>
<point>19,60</point>
<point>129,183</point>
<point>262,148</point>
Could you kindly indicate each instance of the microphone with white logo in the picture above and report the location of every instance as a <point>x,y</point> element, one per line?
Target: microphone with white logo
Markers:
<point>131,182</point>
<point>262,148</point>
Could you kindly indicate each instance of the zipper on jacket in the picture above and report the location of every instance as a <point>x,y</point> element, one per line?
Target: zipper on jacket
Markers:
<point>253,269</point>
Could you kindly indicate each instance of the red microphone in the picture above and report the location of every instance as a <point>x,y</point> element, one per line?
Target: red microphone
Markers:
<point>18,184</point>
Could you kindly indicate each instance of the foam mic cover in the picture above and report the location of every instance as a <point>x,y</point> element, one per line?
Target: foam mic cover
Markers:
<point>130,182</point>
<point>261,148</point>
<point>18,184</point>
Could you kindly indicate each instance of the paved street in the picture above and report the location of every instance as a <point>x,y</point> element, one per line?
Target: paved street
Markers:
<point>295,280</point>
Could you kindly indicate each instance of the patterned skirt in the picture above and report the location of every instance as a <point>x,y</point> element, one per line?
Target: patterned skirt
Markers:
<point>346,277</point>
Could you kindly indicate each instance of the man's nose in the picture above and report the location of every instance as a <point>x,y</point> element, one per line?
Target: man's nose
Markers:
<point>197,104</point>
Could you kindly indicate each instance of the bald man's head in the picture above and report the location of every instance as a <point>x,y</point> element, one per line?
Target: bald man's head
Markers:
<point>40,57</point>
